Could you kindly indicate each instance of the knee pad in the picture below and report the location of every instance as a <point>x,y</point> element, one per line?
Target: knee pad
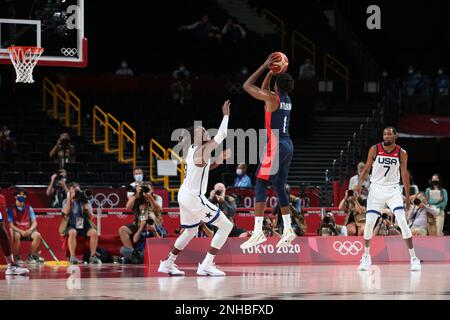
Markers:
<point>260,190</point>
<point>400,217</point>
<point>371,220</point>
<point>224,228</point>
<point>184,238</point>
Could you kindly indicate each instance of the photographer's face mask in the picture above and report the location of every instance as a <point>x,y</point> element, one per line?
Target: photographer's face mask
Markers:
<point>21,199</point>
<point>239,172</point>
<point>139,177</point>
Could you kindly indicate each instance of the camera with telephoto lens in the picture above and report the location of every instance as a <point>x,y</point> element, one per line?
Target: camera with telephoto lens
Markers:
<point>83,196</point>
<point>384,216</point>
<point>350,193</point>
<point>144,189</point>
<point>326,220</point>
<point>150,221</point>
<point>417,202</point>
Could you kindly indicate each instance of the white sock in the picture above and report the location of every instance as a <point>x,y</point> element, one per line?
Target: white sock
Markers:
<point>172,257</point>
<point>258,224</point>
<point>367,250</point>
<point>412,253</point>
<point>286,222</point>
<point>208,259</point>
<point>10,259</point>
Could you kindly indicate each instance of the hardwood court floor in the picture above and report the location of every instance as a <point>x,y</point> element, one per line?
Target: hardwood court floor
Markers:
<point>113,281</point>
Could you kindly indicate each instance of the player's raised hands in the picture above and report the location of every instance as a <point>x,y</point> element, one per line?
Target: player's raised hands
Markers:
<point>270,60</point>
<point>226,108</point>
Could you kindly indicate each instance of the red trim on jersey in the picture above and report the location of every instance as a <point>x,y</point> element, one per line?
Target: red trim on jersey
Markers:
<point>393,154</point>
<point>271,150</point>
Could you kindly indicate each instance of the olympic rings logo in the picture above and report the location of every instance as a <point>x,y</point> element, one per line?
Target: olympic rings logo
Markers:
<point>347,247</point>
<point>112,200</point>
<point>69,52</point>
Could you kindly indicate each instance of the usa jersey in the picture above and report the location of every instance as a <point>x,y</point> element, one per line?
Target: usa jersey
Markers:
<point>386,166</point>
<point>279,119</point>
<point>196,178</point>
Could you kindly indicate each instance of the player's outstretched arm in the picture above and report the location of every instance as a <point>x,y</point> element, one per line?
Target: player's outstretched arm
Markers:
<point>262,93</point>
<point>405,177</point>
<point>203,154</point>
<point>365,172</point>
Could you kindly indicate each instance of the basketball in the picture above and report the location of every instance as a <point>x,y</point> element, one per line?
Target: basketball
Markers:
<point>281,65</point>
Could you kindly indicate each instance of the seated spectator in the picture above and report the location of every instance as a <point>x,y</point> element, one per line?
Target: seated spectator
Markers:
<point>242,180</point>
<point>298,223</point>
<point>328,227</point>
<point>224,202</point>
<point>124,70</point>
<point>203,29</point>
<point>7,143</point>
<point>233,31</point>
<point>23,226</point>
<point>57,189</point>
<point>181,87</point>
<point>354,181</point>
<point>145,205</point>
<point>437,196</point>
<point>181,72</point>
<point>442,83</point>
<point>78,222</point>
<point>384,225</point>
<point>307,70</point>
<point>63,152</point>
<point>354,206</point>
<point>418,215</point>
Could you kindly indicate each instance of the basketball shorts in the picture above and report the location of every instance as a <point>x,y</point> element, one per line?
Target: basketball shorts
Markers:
<point>195,209</point>
<point>276,162</point>
<point>380,196</point>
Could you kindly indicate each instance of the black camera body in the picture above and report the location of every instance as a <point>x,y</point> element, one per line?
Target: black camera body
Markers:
<point>384,216</point>
<point>417,202</point>
<point>144,189</point>
<point>350,193</point>
<point>150,221</point>
<point>83,196</point>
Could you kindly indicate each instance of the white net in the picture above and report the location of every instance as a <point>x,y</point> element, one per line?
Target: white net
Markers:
<point>24,60</point>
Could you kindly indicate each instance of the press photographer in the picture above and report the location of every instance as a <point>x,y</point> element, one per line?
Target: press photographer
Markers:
<point>226,203</point>
<point>63,152</point>
<point>328,227</point>
<point>385,226</point>
<point>419,215</point>
<point>354,206</point>
<point>78,221</point>
<point>145,205</point>
<point>57,189</point>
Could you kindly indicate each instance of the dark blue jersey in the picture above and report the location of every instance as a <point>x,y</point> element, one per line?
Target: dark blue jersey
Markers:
<point>279,119</point>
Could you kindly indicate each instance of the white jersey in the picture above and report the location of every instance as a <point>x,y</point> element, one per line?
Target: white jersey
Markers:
<point>196,178</point>
<point>386,166</point>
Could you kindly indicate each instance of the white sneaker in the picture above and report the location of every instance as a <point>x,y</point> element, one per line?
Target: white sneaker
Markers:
<point>170,268</point>
<point>415,264</point>
<point>14,269</point>
<point>255,239</point>
<point>206,269</point>
<point>286,239</point>
<point>365,263</point>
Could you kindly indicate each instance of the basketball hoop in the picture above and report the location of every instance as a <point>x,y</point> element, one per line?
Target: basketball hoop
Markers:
<point>24,60</point>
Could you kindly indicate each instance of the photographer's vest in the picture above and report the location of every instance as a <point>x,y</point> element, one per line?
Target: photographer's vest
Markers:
<point>21,218</point>
<point>66,219</point>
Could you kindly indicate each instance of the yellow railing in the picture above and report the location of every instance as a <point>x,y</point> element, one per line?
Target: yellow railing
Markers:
<point>329,62</point>
<point>299,39</point>
<point>110,120</point>
<point>279,24</point>
<point>68,99</point>
<point>75,104</point>
<point>171,155</point>
<point>131,139</point>
<point>102,121</point>
<point>155,149</point>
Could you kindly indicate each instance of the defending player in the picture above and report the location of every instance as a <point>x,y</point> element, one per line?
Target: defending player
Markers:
<point>387,160</point>
<point>279,150</point>
<point>194,206</point>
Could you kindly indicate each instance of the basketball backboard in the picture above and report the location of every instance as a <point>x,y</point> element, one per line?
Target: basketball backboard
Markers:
<point>55,25</point>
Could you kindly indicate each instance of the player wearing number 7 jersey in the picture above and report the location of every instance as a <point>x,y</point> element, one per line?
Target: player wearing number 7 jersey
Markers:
<point>279,150</point>
<point>387,160</point>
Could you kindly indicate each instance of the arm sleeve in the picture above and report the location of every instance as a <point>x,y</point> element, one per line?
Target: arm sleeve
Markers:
<point>32,215</point>
<point>222,133</point>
